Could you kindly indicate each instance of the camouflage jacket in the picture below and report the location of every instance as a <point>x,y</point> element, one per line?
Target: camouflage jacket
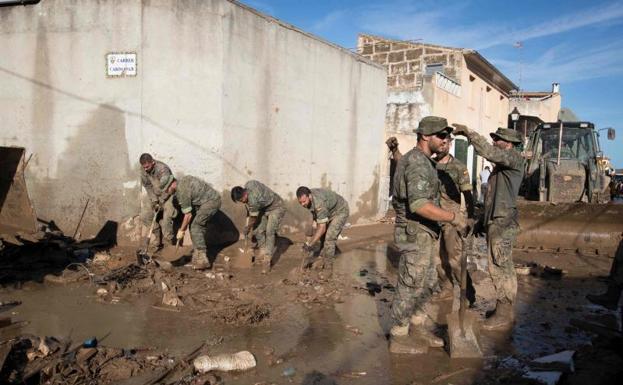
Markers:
<point>415,183</point>
<point>326,205</point>
<point>505,179</point>
<point>151,181</point>
<point>192,192</point>
<point>261,198</point>
<point>454,179</point>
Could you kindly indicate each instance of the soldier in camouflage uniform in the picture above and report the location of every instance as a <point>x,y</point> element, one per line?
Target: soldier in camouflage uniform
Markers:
<point>500,218</point>
<point>155,176</point>
<point>330,213</point>
<point>265,211</point>
<point>610,299</point>
<point>416,194</point>
<point>455,180</point>
<point>199,202</point>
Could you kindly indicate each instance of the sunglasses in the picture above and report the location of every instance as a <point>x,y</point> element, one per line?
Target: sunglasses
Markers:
<point>444,135</point>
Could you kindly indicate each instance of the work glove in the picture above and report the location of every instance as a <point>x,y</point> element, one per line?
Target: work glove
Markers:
<point>460,129</point>
<point>392,143</point>
<point>180,234</point>
<point>307,247</point>
<point>155,205</point>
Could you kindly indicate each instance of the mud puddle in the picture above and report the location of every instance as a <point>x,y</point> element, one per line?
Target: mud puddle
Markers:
<point>337,327</point>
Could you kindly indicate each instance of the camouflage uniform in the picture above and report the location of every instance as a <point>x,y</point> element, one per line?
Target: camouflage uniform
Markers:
<point>265,204</point>
<point>417,238</point>
<point>329,207</point>
<point>454,179</point>
<point>198,197</point>
<point>500,218</point>
<point>154,183</point>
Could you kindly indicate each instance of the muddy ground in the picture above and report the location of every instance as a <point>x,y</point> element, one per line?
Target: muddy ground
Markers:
<point>302,327</point>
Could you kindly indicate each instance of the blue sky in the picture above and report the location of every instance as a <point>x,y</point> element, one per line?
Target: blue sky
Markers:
<point>578,44</point>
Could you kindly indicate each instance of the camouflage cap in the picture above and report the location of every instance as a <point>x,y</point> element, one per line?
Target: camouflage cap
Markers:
<point>165,182</point>
<point>507,134</point>
<point>430,125</point>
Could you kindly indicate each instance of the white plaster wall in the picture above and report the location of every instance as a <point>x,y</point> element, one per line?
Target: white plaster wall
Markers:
<point>222,93</point>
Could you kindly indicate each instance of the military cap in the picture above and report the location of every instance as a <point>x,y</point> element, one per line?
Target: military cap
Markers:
<point>165,182</point>
<point>430,125</point>
<point>507,134</point>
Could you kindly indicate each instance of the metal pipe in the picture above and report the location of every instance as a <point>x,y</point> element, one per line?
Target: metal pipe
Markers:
<point>8,3</point>
<point>559,143</point>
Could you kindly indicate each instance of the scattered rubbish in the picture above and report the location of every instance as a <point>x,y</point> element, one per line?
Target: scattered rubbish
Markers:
<point>210,275</point>
<point>170,297</point>
<point>363,272</point>
<point>354,330</point>
<point>353,375</point>
<point>548,378</point>
<point>289,372</point>
<point>562,361</point>
<point>90,343</point>
<point>101,257</point>
<point>243,360</point>
<point>82,255</point>
<point>102,292</point>
<point>373,288</point>
<point>342,237</point>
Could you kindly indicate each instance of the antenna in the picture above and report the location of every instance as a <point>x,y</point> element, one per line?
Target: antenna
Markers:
<point>519,45</point>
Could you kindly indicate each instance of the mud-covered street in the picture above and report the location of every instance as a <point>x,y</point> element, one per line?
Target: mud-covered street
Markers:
<point>301,326</point>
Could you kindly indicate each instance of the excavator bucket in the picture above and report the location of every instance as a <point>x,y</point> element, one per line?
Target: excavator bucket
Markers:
<point>577,227</point>
<point>17,216</point>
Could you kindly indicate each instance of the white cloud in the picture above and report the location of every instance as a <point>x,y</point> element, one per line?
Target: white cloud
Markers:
<point>328,20</point>
<point>565,65</point>
<point>445,24</point>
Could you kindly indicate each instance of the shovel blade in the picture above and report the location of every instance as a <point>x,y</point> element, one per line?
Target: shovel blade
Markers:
<point>462,343</point>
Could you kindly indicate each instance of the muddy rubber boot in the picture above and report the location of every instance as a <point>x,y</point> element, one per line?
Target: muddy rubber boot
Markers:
<point>609,299</point>
<point>266,263</point>
<point>502,319</point>
<point>200,260</point>
<point>399,331</point>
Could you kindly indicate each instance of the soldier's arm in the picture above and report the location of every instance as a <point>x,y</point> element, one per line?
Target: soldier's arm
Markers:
<point>146,182</point>
<point>490,152</point>
<point>421,191</point>
<point>465,186</point>
<point>321,219</point>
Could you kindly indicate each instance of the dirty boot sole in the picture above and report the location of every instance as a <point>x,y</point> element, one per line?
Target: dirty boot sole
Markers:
<point>407,345</point>
<point>497,324</point>
<point>432,340</point>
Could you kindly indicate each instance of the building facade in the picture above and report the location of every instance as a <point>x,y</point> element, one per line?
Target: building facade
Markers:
<point>425,79</point>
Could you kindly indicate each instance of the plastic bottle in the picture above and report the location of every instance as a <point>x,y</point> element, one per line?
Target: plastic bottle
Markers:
<point>225,362</point>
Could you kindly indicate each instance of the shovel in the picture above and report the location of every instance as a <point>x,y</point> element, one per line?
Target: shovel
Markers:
<point>142,256</point>
<point>462,340</point>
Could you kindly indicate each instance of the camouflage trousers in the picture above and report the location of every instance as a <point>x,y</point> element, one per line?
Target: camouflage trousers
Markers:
<point>199,223</point>
<point>163,227</point>
<point>266,230</point>
<point>334,228</point>
<point>417,275</point>
<point>501,235</point>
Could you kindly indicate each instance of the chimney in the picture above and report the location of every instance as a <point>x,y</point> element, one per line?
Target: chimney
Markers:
<point>555,88</point>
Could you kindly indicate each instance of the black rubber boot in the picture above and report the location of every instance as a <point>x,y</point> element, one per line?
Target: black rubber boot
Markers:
<point>609,299</point>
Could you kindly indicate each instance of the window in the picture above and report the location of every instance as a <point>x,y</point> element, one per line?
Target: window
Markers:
<point>431,69</point>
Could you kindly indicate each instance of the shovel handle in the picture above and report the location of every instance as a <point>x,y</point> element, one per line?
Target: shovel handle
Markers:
<point>468,241</point>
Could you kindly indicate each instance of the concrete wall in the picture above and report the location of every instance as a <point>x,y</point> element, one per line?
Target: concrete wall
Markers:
<point>545,106</point>
<point>222,93</point>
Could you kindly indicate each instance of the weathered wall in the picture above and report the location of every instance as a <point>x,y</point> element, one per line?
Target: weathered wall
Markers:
<point>545,106</point>
<point>222,93</point>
